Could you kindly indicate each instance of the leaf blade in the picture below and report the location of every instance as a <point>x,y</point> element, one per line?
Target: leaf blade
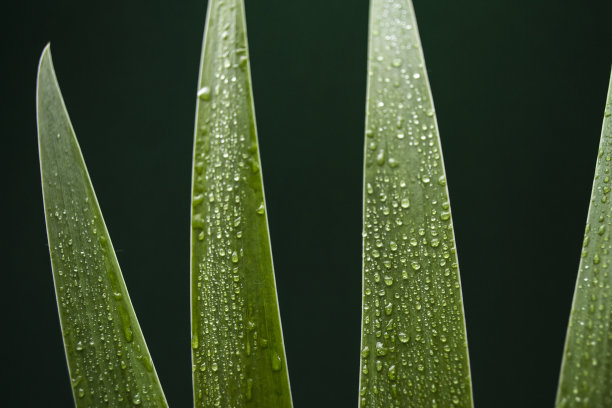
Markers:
<point>414,345</point>
<point>237,346</point>
<point>586,371</point>
<point>107,357</point>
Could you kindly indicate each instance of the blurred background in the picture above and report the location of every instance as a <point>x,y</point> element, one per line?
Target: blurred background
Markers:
<point>519,88</point>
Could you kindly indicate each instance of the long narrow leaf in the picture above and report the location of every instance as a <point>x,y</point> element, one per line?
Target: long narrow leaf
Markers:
<point>414,348</point>
<point>237,344</point>
<point>586,372</point>
<point>108,360</point>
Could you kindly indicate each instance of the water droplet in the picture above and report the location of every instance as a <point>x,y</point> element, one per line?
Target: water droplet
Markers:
<point>235,257</point>
<point>416,75</point>
<point>136,399</point>
<point>204,93</point>
<point>261,209</point>
<point>127,331</point>
<point>403,337</point>
<point>214,367</point>
<point>365,352</point>
<point>391,373</point>
<point>380,157</point>
<point>197,221</point>
<point>242,61</point>
<point>388,280</point>
<point>396,63</point>
<point>277,361</point>
<point>380,349</point>
<point>405,202</point>
<point>415,265</point>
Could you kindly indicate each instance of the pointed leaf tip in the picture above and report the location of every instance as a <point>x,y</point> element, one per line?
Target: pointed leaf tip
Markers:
<point>45,64</point>
<point>108,360</point>
<point>45,56</point>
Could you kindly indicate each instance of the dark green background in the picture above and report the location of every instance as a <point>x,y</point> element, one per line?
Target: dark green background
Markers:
<point>519,88</point>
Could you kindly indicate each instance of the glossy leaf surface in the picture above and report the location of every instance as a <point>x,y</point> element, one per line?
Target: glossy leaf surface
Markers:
<point>414,348</point>
<point>237,344</point>
<point>586,372</point>
<point>108,360</point>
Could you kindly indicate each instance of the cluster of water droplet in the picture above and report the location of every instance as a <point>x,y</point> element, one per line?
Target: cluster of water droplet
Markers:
<point>105,349</point>
<point>413,341</point>
<point>235,317</point>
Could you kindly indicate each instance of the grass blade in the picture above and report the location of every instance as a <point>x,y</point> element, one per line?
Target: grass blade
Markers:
<point>414,347</point>
<point>108,360</point>
<point>237,344</point>
<point>586,371</point>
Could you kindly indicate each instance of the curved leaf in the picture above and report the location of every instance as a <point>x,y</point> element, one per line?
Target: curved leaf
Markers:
<point>414,348</point>
<point>237,344</point>
<point>586,371</point>
<point>108,360</point>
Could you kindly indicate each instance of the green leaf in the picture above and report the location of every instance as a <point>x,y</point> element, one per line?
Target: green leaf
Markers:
<point>586,371</point>
<point>237,344</point>
<point>414,349</point>
<point>108,360</point>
